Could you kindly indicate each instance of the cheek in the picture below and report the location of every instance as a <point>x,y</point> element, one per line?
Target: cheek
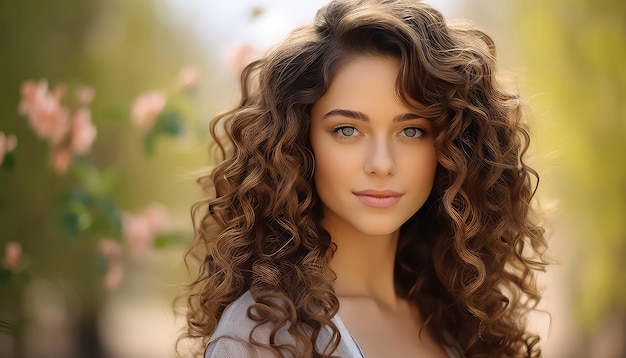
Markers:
<point>430,168</point>
<point>329,166</point>
<point>423,165</point>
<point>338,162</point>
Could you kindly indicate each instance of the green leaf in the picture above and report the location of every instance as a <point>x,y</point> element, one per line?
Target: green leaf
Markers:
<point>5,275</point>
<point>169,122</point>
<point>106,215</point>
<point>171,239</point>
<point>75,216</point>
<point>92,214</point>
<point>9,161</point>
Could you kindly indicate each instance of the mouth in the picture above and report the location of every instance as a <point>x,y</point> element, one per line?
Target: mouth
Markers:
<point>378,198</point>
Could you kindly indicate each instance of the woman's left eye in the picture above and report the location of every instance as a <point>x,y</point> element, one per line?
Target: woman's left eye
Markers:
<point>412,132</point>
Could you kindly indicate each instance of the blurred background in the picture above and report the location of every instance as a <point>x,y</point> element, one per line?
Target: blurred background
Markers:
<point>94,208</point>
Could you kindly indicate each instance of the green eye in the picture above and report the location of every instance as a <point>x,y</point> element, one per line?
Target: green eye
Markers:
<point>345,131</point>
<point>412,132</point>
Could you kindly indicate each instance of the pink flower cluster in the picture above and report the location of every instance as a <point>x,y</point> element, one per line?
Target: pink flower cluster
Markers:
<point>188,77</point>
<point>146,109</point>
<point>139,231</point>
<point>12,256</point>
<point>69,132</point>
<point>238,56</point>
<point>141,228</point>
<point>7,145</point>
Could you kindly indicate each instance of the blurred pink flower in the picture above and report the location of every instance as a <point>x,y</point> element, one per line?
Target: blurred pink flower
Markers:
<point>188,77</point>
<point>61,159</point>
<point>7,144</point>
<point>146,108</point>
<point>114,275</point>
<point>140,229</point>
<point>156,215</point>
<point>83,131</point>
<point>69,132</point>
<point>49,119</point>
<point>59,91</point>
<point>12,256</point>
<point>239,55</point>
<point>112,251</point>
<point>85,95</point>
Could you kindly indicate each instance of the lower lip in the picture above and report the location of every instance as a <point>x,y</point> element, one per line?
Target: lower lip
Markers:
<point>378,202</point>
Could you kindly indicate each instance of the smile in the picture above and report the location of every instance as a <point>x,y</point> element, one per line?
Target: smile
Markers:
<point>378,199</point>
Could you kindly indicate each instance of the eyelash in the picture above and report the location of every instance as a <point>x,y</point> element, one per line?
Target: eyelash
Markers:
<point>338,131</point>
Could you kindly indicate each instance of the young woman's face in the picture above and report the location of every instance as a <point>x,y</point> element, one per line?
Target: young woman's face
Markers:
<point>375,160</point>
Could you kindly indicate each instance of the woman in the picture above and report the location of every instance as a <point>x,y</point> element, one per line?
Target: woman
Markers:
<point>372,201</point>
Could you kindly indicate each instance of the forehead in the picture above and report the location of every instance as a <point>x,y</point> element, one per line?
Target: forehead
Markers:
<point>367,69</point>
<point>366,83</point>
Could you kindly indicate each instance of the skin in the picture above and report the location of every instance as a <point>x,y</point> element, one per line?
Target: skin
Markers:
<point>364,138</point>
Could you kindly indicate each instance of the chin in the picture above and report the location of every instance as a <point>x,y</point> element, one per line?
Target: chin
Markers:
<point>374,228</point>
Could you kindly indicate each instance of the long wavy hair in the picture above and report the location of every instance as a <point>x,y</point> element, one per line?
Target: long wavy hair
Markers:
<point>470,270</point>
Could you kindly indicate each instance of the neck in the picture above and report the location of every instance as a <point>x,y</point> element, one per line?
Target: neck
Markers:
<point>364,265</point>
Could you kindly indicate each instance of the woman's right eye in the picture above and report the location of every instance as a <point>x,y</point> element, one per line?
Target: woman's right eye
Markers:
<point>345,131</point>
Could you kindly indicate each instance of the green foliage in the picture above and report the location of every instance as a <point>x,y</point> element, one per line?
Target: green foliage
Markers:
<point>8,165</point>
<point>171,239</point>
<point>577,51</point>
<point>9,161</point>
<point>5,275</point>
<point>61,219</point>
<point>168,123</point>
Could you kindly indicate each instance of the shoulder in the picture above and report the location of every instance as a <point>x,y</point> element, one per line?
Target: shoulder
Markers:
<point>234,321</point>
<point>234,330</point>
<point>228,347</point>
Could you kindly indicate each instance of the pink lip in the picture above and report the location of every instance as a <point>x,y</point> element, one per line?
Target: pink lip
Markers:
<point>378,198</point>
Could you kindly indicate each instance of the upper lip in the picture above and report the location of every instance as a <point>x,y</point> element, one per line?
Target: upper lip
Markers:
<point>378,193</point>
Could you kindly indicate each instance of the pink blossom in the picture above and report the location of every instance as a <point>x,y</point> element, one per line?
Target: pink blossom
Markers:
<point>110,248</point>
<point>188,77</point>
<point>239,56</point>
<point>59,91</point>
<point>61,159</point>
<point>114,275</point>
<point>140,229</point>
<point>137,233</point>
<point>156,216</point>
<point>146,108</point>
<point>112,251</point>
<point>7,145</point>
<point>85,95</point>
<point>12,256</point>
<point>48,118</point>
<point>83,131</point>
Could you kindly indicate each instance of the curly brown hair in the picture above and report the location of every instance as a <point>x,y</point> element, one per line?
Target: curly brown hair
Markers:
<point>472,271</point>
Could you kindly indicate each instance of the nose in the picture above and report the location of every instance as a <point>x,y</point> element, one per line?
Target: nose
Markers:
<point>380,159</point>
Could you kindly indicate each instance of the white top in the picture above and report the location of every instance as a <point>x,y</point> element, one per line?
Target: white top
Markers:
<point>231,337</point>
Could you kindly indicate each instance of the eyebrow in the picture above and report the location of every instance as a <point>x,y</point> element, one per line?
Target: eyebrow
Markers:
<point>364,117</point>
